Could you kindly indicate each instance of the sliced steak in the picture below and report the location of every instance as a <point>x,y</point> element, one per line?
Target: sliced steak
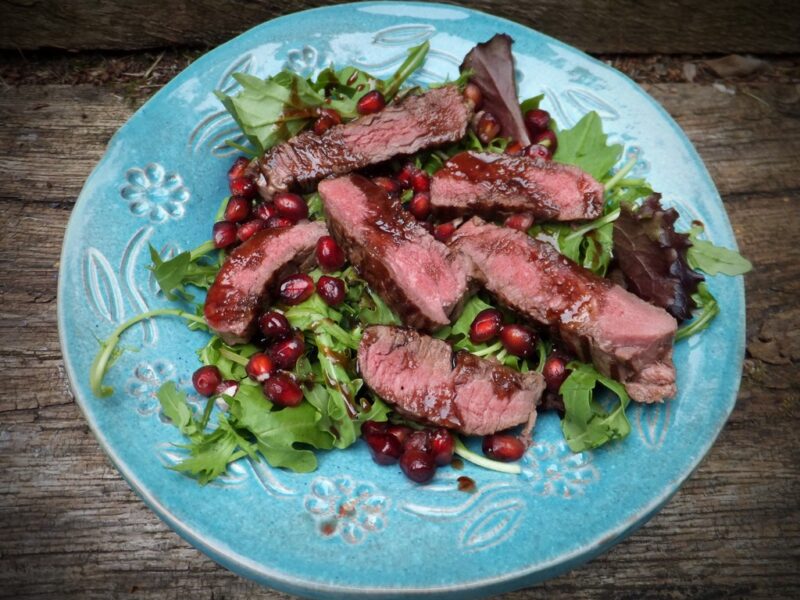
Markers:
<point>243,283</point>
<point>417,122</point>
<point>423,378</point>
<point>624,336</point>
<point>419,277</point>
<point>473,183</point>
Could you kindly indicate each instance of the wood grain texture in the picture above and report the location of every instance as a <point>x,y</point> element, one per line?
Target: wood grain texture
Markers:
<point>71,528</point>
<point>623,26</point>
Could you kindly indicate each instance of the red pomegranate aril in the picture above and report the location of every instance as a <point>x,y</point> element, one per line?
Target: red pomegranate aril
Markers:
<point>401,432</point>
<point>290,206</point>
<point>488,128</point>
<point>391,186</point>
<point>554,372</point>
<point>418,440</point>
<point>518,340</point>
<point>473,93</point>
<point>384,448</point>
<point>370,103</point>
<point>370,427</point>
<point>485,326</point>
<point>238,168</point>
<point>274,325</point>
<point>331,290</point>
<point>247,230</point>
<point>420,181</point>
<point>276,222</point>
<point>327,119</point>
<point>537,120</point>
<point>238,209</point>
<point>265,211</point>
<point>514,148</point>
<point>520,222</point>
<point>547,138</point>
<point>286,352</point>
<point>224,234</point>
<point>244,186</point>
<point>406,174</point>
<point>444,231</point>
<point>229,387</point>
<point>442,446</point>
<point>330,256</point>
<point>259,367</point>
<point>206,379</point>
<point>296,288</point>
<point>418,466</point>
<point>503,447</point>
<point>420,205</point>
<point>283,390</point>
<point>538,151</point>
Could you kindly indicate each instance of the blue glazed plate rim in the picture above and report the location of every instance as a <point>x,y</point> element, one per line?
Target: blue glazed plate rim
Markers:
<point>247,567</point>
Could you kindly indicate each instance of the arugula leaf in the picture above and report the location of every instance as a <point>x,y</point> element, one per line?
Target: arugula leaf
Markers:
<point>186,268</point>
<point>531,103</point>
<point>177,409</point>
<point>210,455</point>
<point>707,310</point>
<point>586,146</point>
<point>709,258</point>
<point>586,424</point>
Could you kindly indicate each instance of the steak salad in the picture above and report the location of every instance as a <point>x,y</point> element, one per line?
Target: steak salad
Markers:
<point>415,267</point>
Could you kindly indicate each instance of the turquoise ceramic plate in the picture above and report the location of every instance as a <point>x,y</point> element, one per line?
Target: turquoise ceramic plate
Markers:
<point>160,181</point>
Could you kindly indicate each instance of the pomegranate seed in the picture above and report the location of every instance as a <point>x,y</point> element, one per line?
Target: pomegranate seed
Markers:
<point>473,93</point>
<point>388,184</point>
<point>206,379</point>
<point>371,102</point>
<point>554,372</point>
<point>547,138</point>
<point>385,448</point>
<point>514,148</point>
<point>420,205</point>
<point>419,441</point>
<point>538,151</point>
<point>244,186</point>
<point>283,390</point>
<point>238,209</point>
<point>286,352</point>
<point>518,340</point>
<point>503,447</point>
<point>485,326</point>
<point>330,256</point>
<point>444,231</point>
<point>229,387</point>
<point>442,445</point>
<point>296,288</point>
<point>276,222</point>
<point>247,230</point>
<point>274,325</point>
<point>521,222</point>
<point>265,211</point>
<point>224,234</point>
<point>418,466</point>
<point>370,427</point>
<point>259,367</point>
<point>327,119</point>
<point>537,120</point>
<point>238,168</point>
<point>488,128</point>
<point>401,432</point>
<point>406,174</point>
<point>420,181</point>
<point>331,290</point>
<point>290,206</point>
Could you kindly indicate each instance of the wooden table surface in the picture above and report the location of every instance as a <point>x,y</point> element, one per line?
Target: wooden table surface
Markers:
<point>70,527</point>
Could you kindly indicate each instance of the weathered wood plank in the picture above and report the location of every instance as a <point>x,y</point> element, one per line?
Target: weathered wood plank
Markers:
<point>73,529</point>
<point>620,26</point>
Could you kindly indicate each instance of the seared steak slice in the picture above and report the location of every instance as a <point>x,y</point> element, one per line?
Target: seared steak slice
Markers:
<point>243,283</point>
<point>423,378</point>
<point>473,183</point>
<point>419,277</point>
<point>624,336</point>
<point>417,122</point>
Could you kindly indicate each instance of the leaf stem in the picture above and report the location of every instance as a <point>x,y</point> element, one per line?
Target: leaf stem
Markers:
<point>581,231</point>
<point>202,250</point>
<point>100,363</point>
<point>416,56</point>
<point>482,461</point>
<point>710,311</point>
<point>617,177</point>
<point>241,360</point>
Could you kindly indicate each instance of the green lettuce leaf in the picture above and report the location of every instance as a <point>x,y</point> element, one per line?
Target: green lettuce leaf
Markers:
<point>586,146</point>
